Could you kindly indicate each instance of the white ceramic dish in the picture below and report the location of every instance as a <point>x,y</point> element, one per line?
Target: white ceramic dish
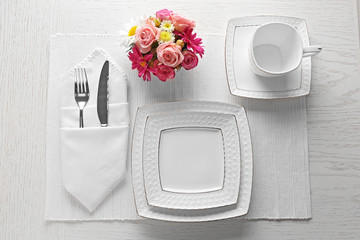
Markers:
<point>191,160</point>
<point>242,205</point>
<point>243,81</point>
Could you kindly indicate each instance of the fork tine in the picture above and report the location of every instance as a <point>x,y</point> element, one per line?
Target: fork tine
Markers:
<point>83,80</point>
<point>86,82</point>
<point>80,80</point>
<point>75,82</point>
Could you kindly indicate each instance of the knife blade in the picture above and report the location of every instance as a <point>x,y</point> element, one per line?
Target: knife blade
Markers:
<point>102,98</point>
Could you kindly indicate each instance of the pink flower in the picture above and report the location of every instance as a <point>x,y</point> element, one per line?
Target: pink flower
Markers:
<point>164,14</point>
<point>146,35</point>
<point>190,60</point>
<point>181,23</point>
<point>170,54</point>
<point>141,63</point>
<point>163,72</point>
<point>191,41</point>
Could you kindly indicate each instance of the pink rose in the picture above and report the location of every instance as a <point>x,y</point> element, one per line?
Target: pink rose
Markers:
<point>169,54</point>
<point>163,72</point>
<point>146,35</point>
<point>164,14</point>
<point>190,60</point>
<point>181,23</point>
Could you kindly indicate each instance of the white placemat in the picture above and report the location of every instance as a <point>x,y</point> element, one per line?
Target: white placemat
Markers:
<point>278,127</point>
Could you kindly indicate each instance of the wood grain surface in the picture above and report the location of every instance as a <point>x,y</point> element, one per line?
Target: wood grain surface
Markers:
<point>333,116</point>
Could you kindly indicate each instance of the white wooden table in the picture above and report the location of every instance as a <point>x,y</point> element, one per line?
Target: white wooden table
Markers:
<point>333,116</point>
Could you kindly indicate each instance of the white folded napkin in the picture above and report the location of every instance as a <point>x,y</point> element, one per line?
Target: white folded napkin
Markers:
<point>93,158</point>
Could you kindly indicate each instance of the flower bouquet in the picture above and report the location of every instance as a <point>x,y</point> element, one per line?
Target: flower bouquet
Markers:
<point>161,44</point>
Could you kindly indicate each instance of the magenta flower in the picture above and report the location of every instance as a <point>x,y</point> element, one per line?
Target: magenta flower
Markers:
<point>163,72</point>
<point>164,14</point>
<point>141,63</point>
<point>190,60</point>
<point>192,41</point>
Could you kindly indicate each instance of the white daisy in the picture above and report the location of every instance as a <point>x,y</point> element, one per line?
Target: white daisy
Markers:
<point>167,26</point>
<point>128,33</point>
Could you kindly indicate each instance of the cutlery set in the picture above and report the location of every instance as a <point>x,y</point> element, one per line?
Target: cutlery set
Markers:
<point>82,94</point>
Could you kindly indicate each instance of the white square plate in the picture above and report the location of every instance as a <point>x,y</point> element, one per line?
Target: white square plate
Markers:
<point>241,79</point>
<point>240,208</point>
<point>191,160</point>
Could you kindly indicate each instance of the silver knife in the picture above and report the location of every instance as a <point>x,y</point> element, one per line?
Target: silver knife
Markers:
<point>103,98</point>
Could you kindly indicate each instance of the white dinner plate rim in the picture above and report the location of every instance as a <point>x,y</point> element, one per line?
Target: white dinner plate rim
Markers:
<point>239,209</point>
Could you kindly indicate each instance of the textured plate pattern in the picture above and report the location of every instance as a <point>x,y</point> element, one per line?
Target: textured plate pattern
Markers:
<point>235,210</point>
<point>227,195</point>
<point>299,24</point>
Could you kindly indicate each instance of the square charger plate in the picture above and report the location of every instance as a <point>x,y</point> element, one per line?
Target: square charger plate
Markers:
<point>191,160</point>
<point>240,208</point>
<point>241,79</point>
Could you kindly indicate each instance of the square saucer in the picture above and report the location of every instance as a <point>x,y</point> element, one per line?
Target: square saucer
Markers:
<point>241,79</point>
<point>191,160</point>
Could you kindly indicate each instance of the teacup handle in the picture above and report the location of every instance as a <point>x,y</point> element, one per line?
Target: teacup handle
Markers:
<point>311,50</point>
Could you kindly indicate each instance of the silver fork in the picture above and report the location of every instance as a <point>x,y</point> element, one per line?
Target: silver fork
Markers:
<point>81,91</point>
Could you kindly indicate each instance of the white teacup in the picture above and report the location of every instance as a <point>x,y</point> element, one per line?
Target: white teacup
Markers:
<point>277,49</point>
